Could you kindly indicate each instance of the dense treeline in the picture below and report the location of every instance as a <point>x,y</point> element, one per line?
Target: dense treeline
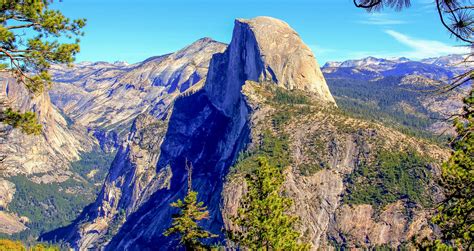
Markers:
<point>393,176</point>
<point>11,245</point>
<point>386,101</point>
<point>49,206</point>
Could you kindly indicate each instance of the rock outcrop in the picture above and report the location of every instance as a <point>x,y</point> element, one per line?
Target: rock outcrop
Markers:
<point>9,223</point>
<point>7,190</point>
<point>225,113</point>
<point>264,49</point>
<point>332,146</point>
<point>44,158</point>
<point>207,127</point>
<point>106,97</point>
<point>48,155</point>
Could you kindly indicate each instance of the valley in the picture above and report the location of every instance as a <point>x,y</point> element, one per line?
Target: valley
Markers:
<point>360,143</point>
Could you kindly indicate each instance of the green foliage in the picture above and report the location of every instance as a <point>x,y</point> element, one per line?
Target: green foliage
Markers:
<point>456,215</point>
<point>280,118</point>
<point>392,176</point>
<point>44,247</point>
<point>274,148</point>
<point>27,122</point>
<point>31,58</point>
<point>185,223</point>
<point>310,169</point>
<point>284,96</point>
<point>370,100</point>
<point>285,113</point>
<point>13,245</point>
<point>437,245</point>
<point>317,151</point>
<point>95,160</point>
<point>262,220</point>
<point>10,245</point>
<point>49,206</point>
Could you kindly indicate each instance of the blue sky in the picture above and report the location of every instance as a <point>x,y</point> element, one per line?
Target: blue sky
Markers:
<point>119,30</point>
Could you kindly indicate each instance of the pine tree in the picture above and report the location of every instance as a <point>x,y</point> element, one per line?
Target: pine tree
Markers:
<point>185,223</point>
<point>456,214</point>
<point>51,38</point>
<point>262,219</point>
<point>27,122</point>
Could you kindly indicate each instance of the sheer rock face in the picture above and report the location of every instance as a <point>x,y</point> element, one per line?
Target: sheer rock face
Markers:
<point>108,97</point>
<point>326,219</point>
<point>208,128</point>
<point>7,190</point>
<point>286,59</point>
<point>264,49</point>
<point>132,179</point>
<point>46,156</point>
<point>43,158</point>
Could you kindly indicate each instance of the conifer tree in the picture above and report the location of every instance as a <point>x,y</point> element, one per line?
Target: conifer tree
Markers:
<point>27,121</point>
<point>30,57</point>
<point>262,220</point>
<point>456,214</point>
<point>185,223</point>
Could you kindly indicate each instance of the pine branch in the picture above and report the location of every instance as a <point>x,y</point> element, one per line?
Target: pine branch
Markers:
<point>22,26</point>
<point>440,13</point>
<point>370,5</point>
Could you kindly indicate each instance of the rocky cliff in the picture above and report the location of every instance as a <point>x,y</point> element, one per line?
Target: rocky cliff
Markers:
<point>209,128</point>
<point>41,159</point>
<point>263,95</point>
<point>45,157</point>
<point>106,98</point>
<point>327,157</point>
<point>264,49</point>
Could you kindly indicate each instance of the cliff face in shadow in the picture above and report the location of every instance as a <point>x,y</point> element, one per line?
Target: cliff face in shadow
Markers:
<point>208,127</point>
<point>265,94</point>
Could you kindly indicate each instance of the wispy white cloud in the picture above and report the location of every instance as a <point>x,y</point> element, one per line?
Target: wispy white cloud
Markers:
<point>416,49</point>
<point>421,48</point>
<point>381,19</point>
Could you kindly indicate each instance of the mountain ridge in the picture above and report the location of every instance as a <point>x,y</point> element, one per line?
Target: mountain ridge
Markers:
<point>242,108</point>
<point>91,96</point>
<point>216,114</point>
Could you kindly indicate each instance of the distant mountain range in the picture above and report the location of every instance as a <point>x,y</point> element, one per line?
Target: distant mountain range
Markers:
<point>441,68</point>
<point>259,97</point>
<point>126,130</point>
<point>453,60</point>
<point>399,91</point>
